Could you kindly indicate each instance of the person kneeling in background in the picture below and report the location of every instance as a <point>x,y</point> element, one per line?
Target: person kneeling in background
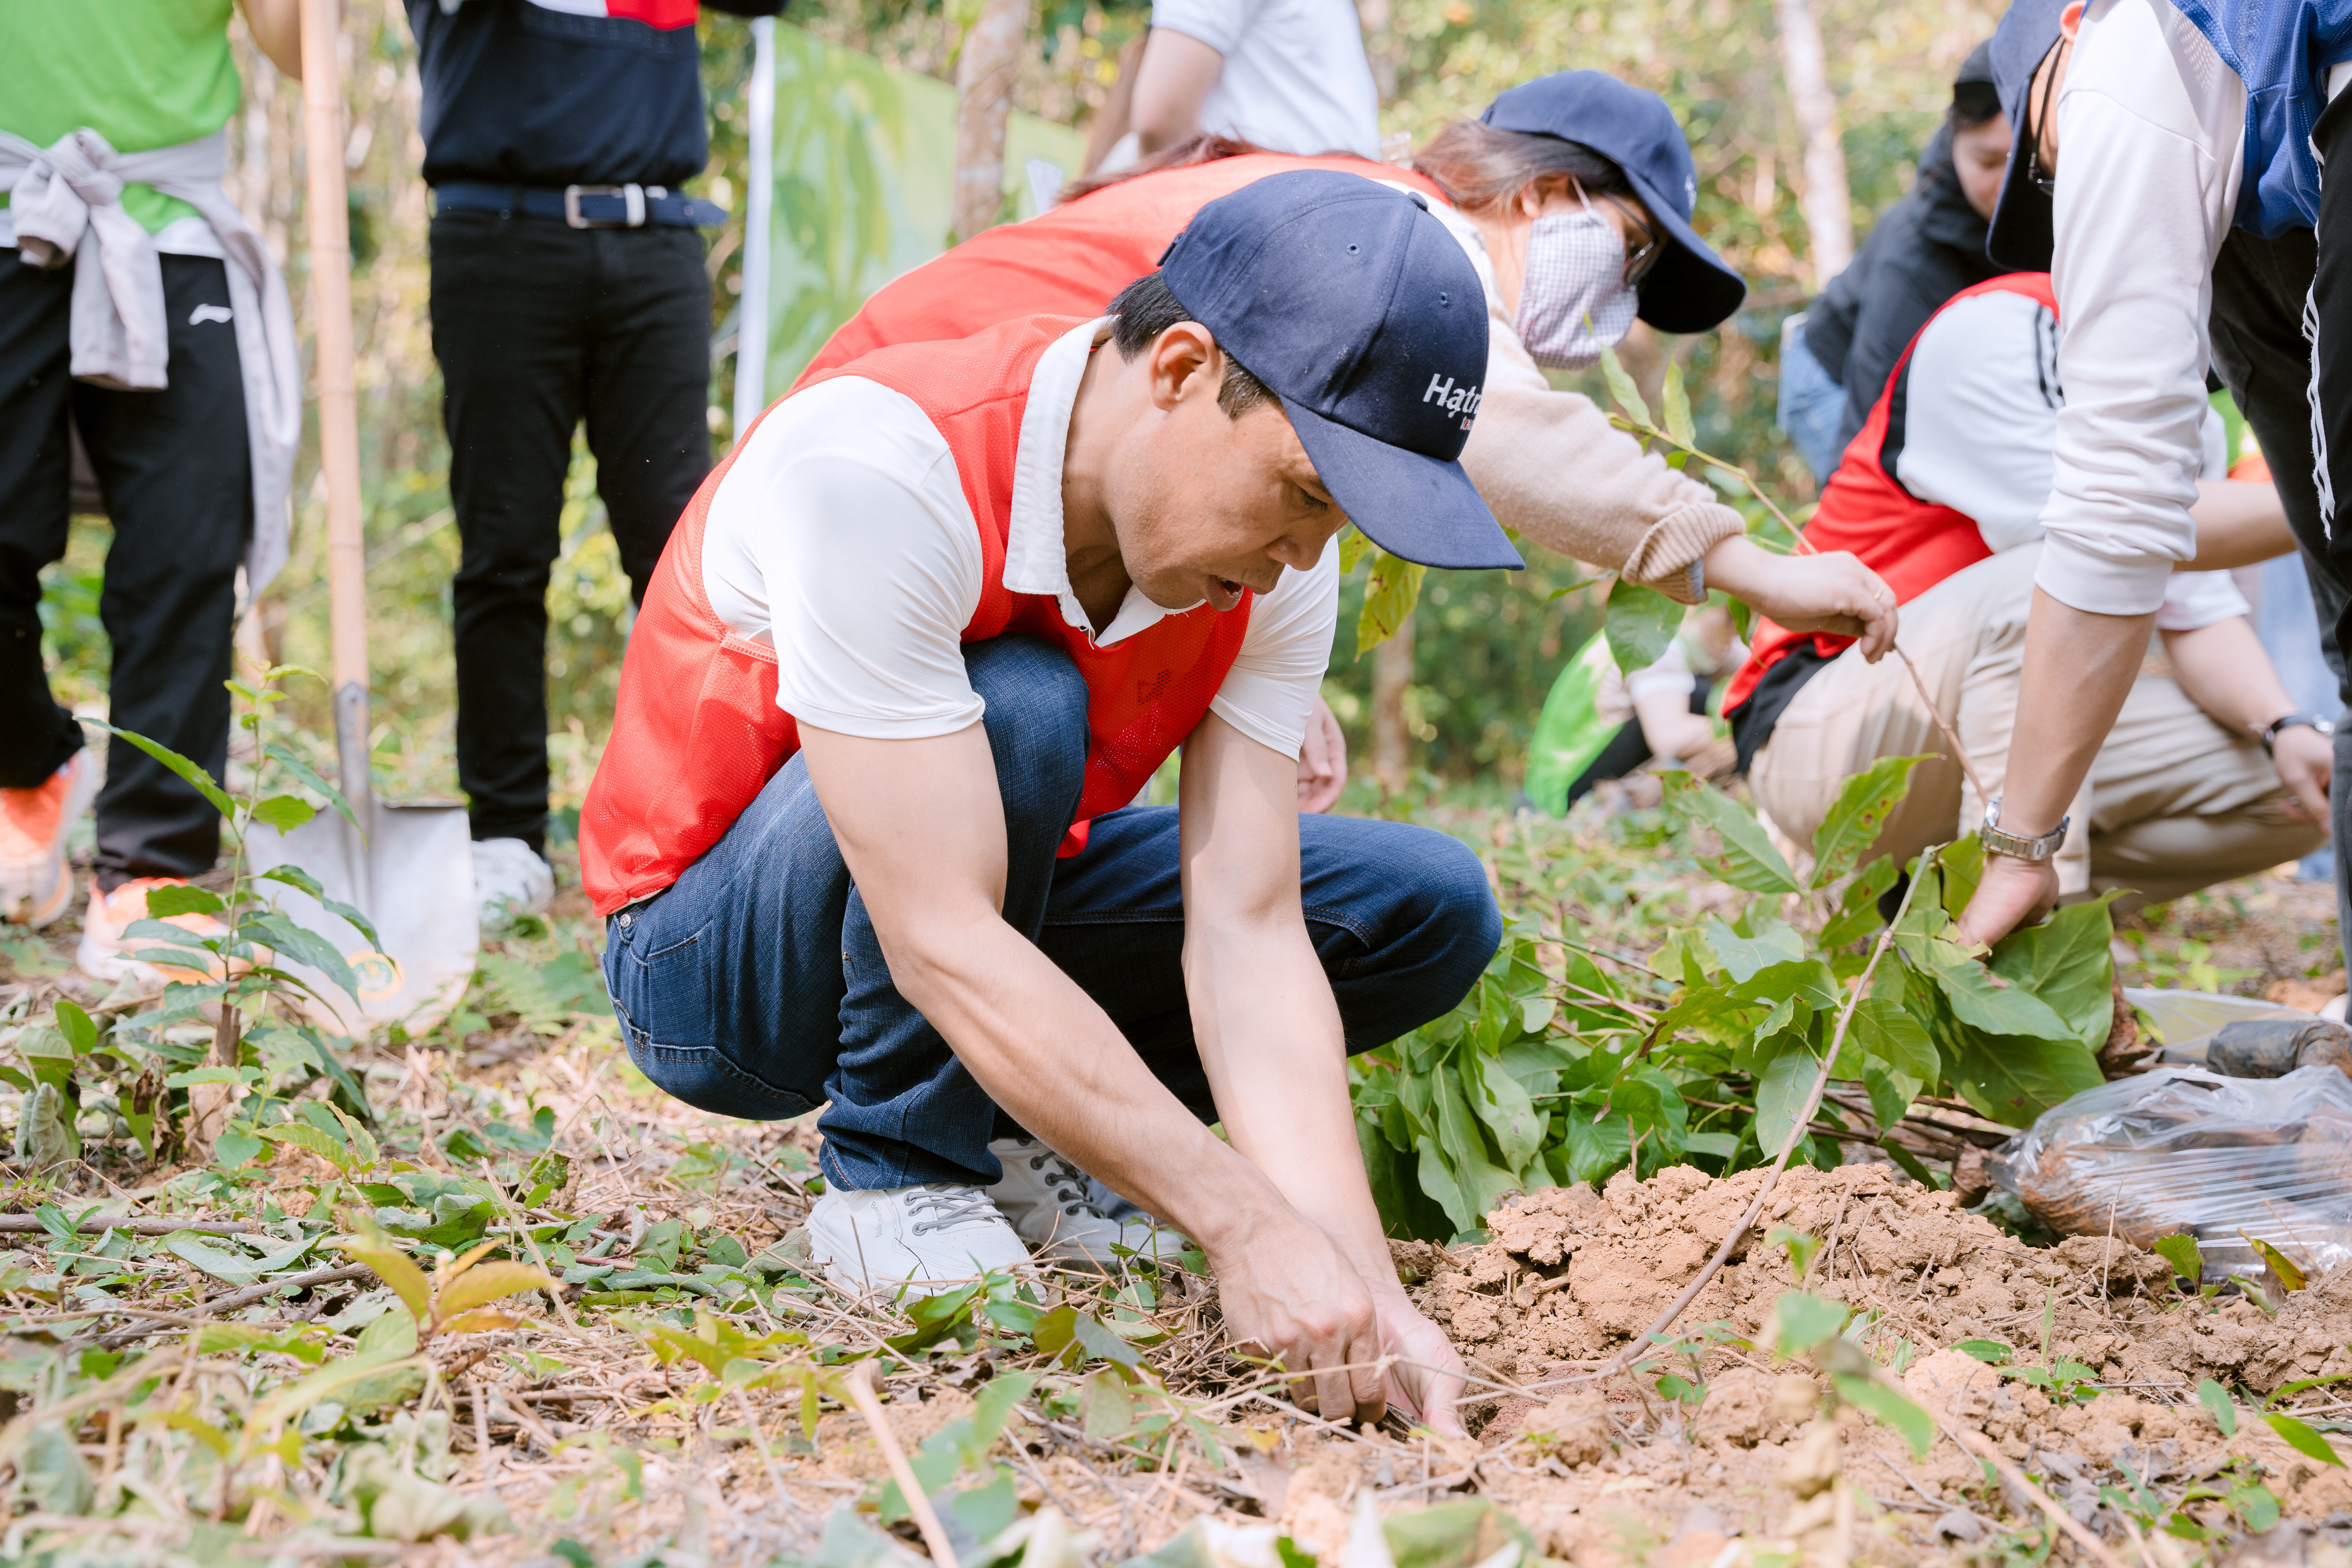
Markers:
<point>2208,773</point>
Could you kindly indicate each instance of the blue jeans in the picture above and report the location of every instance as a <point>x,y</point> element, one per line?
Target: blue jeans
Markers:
<point>755,986</point>
<point>1811,403</point>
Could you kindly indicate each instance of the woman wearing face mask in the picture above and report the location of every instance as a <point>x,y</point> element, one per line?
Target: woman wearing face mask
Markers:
<point>1572,196</point>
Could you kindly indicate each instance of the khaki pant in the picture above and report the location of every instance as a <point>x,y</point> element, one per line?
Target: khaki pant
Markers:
<point>2175,802</point>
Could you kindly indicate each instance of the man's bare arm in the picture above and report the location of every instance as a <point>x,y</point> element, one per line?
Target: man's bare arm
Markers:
<point>1269,1035</point>
<point>1174,79</point>
<point>921,826</point>
<point>2239,522</point>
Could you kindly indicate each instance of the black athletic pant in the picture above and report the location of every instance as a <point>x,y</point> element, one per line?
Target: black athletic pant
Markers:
<point>2261,292</point>
<point>537,325</point>
<point>178,481</point>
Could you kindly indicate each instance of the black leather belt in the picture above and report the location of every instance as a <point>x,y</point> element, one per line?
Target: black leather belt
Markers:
<point>582,206</point>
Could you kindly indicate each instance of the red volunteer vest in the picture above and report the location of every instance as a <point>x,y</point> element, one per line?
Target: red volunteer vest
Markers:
<point>1912,543</point>
<point>696,733</point>
<point>1067,262</point>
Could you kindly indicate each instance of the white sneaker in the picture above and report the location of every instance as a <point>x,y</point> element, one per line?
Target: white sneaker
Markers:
<point>35,887</point>
<point>1052,1205</point>
<point>509,879</point>
<point>1165,1242</point>
<point>939,1233</point>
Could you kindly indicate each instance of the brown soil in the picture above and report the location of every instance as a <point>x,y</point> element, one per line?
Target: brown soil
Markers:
<point>1573,1274</point>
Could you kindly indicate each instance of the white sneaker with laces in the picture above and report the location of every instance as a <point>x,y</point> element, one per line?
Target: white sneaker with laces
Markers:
<point>1165,1242</point>
<point>939,1233</point>
<point>1050,1203</point>
<point>509,879</point>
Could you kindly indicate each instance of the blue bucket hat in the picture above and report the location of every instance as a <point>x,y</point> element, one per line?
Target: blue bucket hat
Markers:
<point>1690,288</point>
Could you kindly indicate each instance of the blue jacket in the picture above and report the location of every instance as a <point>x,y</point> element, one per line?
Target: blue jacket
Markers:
<point>2282,50</point>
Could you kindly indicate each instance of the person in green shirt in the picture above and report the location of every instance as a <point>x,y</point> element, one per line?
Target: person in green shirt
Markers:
<point>137,305</point>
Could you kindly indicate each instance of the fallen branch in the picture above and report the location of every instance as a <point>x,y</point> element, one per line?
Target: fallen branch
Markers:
<point>245,1298</point>
<point>30,1224</point>
<point>860,1386</point>
<point>1983,1448</point>
<point>1675,1309</point>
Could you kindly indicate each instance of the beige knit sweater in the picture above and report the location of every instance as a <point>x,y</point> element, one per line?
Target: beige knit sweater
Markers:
<point>1556,471</point>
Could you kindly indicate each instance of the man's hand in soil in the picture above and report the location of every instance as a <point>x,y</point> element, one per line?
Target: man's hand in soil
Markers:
<point>1290,1295</point>
<point>2014,893</point>
<point>1426,1378</point>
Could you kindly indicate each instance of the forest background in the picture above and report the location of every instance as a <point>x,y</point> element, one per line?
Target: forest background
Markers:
<point>1460,693</point>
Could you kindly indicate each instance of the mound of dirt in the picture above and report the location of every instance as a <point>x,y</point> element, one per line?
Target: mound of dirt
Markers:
<point>1573,1274</point>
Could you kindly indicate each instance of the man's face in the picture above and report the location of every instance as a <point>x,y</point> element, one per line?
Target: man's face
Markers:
<point>1980,155</point>
<point>1205,506</point>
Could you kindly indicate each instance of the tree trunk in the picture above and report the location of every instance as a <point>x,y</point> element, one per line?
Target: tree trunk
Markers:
<point>1391,737</point>
<point>1828,205</point>
<point>985,72</point>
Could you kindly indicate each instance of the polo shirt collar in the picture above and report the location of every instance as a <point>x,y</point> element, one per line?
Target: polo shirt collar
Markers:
<point>1037,557</point>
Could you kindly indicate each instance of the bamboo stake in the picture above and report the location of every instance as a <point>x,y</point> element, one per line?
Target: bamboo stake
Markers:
<point>860,1386</point>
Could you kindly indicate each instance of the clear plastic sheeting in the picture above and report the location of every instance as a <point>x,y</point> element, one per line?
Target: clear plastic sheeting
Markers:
<point>2182,1149</point>
<point>2188,1020</point>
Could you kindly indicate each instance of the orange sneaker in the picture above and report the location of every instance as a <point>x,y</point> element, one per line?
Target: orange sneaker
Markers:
<point>105,953</point>
<point>35,887</point>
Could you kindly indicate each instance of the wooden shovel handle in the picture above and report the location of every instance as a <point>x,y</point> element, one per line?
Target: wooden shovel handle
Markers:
<point>330,302</point>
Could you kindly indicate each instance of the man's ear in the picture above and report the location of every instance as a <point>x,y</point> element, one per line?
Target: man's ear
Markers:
<point>2070,20</point>
<point>1184,357</point>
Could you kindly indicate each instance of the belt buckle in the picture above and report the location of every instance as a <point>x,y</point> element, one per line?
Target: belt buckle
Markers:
<point>633,195</point>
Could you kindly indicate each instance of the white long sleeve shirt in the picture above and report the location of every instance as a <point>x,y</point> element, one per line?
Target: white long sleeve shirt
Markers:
<point>2150,124</point>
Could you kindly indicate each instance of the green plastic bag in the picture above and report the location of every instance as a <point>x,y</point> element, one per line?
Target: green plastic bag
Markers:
<point>1571,731</point>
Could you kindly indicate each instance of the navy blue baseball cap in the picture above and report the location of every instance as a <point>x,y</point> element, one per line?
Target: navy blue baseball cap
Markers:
<point>2021,238</point>
<point>1364,316</point>
<point>1690,288</point>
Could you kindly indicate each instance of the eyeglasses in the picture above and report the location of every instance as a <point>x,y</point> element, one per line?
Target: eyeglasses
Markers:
<point>1639,260</point>
<point>2046,184</point>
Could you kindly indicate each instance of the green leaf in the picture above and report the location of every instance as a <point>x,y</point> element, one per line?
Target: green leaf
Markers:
<point>1867,1394</point>
<point>295,877</point>
<point>1641,625</point>
<point>2303,1439</point>
<point>301,944</point>
<point>1622,390</point>
<point>1502,1104</point>
<point>235,1268</point>
<point>1993,1353</point>
<point>179,764</point>
<point>1781,1091</point>
<point>2283,1268</point>
<point>284,811</point>
<point>233,1149</point>
<point>2216,1398</point>
<point>1993,1005</point>
<point>194,1076</point>
<point>291,761</point>
<point>1882,1030</point>
<point>2066,963</point>
<point>1677,408</point>
<point>1353,547</point>
<point>1860,813</point>
<point>302,1135</point>
<point>1802,1320</point>
<point>78,1027</point>
<point>1749,859</point>
<point>1743,956</point>
<point>1389,598</point>
<point>1857,915</point>
<point>2181,1251</point>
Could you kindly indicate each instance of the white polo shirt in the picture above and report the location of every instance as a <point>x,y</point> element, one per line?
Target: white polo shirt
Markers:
<point>842,538</point>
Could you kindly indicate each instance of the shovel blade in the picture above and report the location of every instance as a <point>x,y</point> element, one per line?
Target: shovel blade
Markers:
<point>412,877</point>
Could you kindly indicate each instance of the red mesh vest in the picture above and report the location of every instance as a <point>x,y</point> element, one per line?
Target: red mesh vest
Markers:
<point>1912,543</point>
<point>696,733</point>
<point>1067,262</point>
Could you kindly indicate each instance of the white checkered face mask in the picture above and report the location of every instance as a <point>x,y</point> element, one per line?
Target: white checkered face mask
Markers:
<point>1574,300</point>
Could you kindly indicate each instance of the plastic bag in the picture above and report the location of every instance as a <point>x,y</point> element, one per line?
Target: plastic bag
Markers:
<point>2184,1148</point>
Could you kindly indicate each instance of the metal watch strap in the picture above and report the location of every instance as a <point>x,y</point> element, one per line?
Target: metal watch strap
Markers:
<point>2271,731</point>
<point>1997,842</point>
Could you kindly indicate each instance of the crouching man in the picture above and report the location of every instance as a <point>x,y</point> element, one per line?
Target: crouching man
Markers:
<point>858,832</point>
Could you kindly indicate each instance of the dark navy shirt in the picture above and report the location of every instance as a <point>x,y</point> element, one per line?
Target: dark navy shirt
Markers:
<point>542,92</point>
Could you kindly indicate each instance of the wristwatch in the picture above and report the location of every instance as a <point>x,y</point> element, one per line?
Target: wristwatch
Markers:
<point>1996,842</point>
<point>2271,731</point>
